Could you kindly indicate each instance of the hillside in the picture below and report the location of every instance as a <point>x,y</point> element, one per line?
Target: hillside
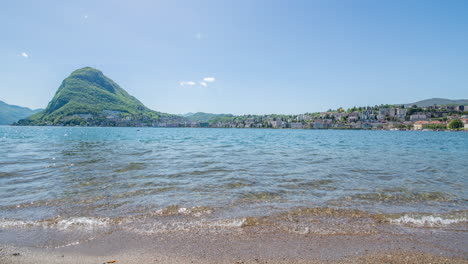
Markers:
<point>439,101</point>
<point>88,97</point>
<point>203,117</point>
<point>12,113</point>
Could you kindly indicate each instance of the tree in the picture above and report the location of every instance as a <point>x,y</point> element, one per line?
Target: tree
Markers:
<point>455,124</point>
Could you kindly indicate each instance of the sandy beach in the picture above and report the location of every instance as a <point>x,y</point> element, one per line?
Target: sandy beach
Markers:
<point>256,244</point>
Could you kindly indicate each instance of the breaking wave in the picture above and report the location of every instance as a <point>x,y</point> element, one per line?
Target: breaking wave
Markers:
<point>428,220</point>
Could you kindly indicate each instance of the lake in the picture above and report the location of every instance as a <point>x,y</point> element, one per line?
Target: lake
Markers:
<point>155,179</point>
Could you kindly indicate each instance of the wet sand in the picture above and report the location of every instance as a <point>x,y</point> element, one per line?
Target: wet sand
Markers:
<point>256,244</point>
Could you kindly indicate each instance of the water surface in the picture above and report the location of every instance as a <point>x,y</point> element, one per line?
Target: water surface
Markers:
<point>90,176</point>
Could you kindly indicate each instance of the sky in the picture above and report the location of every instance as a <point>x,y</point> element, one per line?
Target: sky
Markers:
<point>239,56</point>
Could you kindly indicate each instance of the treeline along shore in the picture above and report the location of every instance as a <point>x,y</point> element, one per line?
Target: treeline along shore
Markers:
<point>384,117</point>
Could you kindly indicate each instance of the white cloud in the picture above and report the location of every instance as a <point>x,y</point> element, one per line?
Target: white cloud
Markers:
<point>189,83</point>
<point>24,55</point>
<point>209,79</point>
<point>198,36</point>
<point>85,16</point>
<point>202,83</point>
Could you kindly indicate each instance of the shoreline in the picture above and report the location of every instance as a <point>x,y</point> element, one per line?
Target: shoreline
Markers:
<point>260,128</point>
<point>258,242</point>
<point>251,247</point>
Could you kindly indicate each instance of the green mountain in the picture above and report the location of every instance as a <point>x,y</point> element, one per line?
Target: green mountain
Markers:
<point>439,101</point>
<point>12,113</point>
<point>88,97</point>
<point>203,117</point>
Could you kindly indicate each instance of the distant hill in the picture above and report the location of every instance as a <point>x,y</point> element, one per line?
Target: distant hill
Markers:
<point>12,113</point>
<point>88,97</point>
<point>203,117</point>
<point>439,101</point>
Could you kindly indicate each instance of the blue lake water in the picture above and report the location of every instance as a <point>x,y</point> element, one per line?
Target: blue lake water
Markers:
<point>81,173</point>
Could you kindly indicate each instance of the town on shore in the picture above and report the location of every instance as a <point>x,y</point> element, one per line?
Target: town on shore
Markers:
<point>383,117</point>
<point>386,117</point>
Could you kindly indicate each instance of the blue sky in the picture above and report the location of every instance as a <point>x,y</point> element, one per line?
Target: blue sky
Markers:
<point>239,56</point>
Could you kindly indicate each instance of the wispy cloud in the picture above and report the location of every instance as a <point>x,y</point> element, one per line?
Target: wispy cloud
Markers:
<point>24,55</point>
<point>85,16</point>
<point>189,83</point>
<point>203,83</point>
<point>198,36</point>
<point>209,79</point>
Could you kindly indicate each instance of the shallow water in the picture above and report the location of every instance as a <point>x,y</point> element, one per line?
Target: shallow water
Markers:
<point>69,177</point>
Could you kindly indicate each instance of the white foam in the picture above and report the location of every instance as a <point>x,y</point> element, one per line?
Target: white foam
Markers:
<point>158,227</point>
<point>194,211</point>
<point>78,222</point>
<point>6,223</point>
<point>86,222</point>
<point>183,210</point>
<point>69,244</point>
<point>427,220</point>
<point>238,222</point>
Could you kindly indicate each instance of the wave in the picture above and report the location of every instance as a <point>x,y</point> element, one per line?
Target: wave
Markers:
<point>318,220</point>
<point>86,223</point>
<point>7,223</point>
<point>177,210</point>
<point>428,220</point>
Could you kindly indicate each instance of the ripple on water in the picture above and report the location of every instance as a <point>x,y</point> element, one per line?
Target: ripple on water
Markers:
<point>4,175</point>
<point>228,168</point>
<point>261,196</point>
<point>235,183</point>
<point>131,166</point>
<point>324,184</point>
<point>401,197</point>
<point>143,192</point>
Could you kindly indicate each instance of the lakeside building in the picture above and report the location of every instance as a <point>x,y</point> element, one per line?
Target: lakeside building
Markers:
<point>401,113</point>
<point>418,117</point>
<point>464,119</point>
<point>419,125</point>
<point>367,114</point>
<point>296,125</point>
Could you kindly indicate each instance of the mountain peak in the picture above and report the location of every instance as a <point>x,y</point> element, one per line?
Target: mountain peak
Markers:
<point>93,76</point>
<point>87,72</point>
<point>86,69</point>
<point>88,92</point>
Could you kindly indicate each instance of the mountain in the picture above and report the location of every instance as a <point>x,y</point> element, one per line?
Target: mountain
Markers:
<point>203,117</point>
<point>12,113</point>
<point>88,97</point>
<point>439,101</point>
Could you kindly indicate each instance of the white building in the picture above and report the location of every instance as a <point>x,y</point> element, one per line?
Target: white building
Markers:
<point>367,114</point>
<point>418,117</point>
